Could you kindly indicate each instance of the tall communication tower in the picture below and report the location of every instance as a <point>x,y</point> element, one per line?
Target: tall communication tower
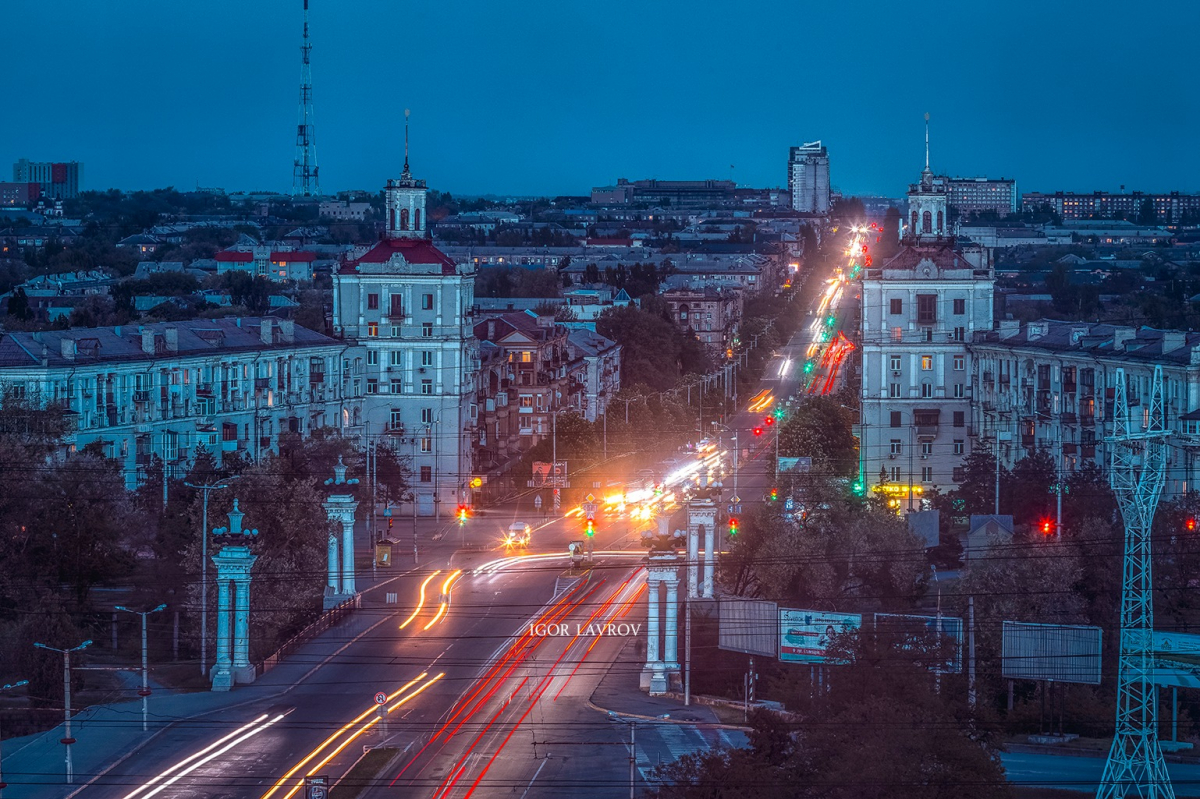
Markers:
<point>1135,764</point>
<point>304,168</point>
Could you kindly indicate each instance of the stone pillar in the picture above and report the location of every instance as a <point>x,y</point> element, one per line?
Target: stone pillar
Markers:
<point>693,560</point>
<point>233,562</point>
<point>662,566</point>
<point>222,675</point>
<point>671,627</point>
<point>702,519</point>
<point>243,672</point>
<point>341,508</point>
<point>333,583</point>
<point>653,633</point>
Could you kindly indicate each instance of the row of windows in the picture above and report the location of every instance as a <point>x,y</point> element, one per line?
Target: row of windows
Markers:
<point>897,419</point>
<point>897,447</point>
<point>373,330</point>
<point>926,306</point>
<point>960,363</point>
<point>396,303</point>
<point>396,357</point>
<point>397,386</point>
<point>927,390</point>
<point>895,476</point>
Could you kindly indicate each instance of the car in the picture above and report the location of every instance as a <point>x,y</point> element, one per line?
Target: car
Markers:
<point>517,535</point>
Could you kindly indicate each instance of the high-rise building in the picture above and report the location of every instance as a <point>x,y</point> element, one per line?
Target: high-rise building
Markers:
<point>409,306</point>
<point>1171,208</point>
<point>58,180</point>
<point>808,178</point>
<point>975,195</point>
<point>919,310</point>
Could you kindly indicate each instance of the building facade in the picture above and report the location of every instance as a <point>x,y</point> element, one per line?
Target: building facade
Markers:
<point>1171,208</point>
<point>672,193</point>
<point>278,266</point>
<point>808,178</point>
<point>19,195</point>
<point>920,309</point>
<point>1050,386</point>
<point>410,308</point>
<point>713,314</point>
<point>595,372</point>
<point>57,180</point>
<point>981,195</point>
<point>160,391</point>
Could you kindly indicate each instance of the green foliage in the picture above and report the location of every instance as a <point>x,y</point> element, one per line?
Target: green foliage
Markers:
<point>822,428</point>
<point>18,306</point>
<point>516,281</point>
<point>654,352</point>
<point>251,292</point>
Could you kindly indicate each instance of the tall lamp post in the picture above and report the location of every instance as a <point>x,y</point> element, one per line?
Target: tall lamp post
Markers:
<point>66,740</point>
<point>145,692</point>
<point>204,533</point>
<point>3,688</point>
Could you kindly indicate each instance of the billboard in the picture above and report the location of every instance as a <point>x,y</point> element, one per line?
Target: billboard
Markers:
<point>1055,652</point>
<point>748,625</point>
<point>804,634</point>
<point>951,626</point>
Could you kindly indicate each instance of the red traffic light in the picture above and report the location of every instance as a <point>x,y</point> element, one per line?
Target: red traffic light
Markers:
<point>733,526</point>
<point>758,431</point>
<point>463,513</point>
<point>1190,524</point>
<point>1047,527</point>
<point>770,420</point>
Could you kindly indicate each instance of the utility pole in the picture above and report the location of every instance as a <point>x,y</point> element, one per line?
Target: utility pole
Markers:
<point>67,740</point>
<point>145,692</point>
<point>204,533</point>
<point>304,168</point>
<point>3,688</point>
<point>1135,763</point>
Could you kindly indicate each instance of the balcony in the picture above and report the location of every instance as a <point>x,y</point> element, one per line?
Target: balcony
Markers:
<point>141,396</point>
<point>1088,450</point>
<point>1027,440</point>
<point>262,383</point>
<point>1068,417</point>
<point>1087,420</point>
<point>927,431</point>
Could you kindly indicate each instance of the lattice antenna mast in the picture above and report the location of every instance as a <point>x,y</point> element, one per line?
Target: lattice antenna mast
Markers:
<point>304,168</point>
<point>1135,764</point>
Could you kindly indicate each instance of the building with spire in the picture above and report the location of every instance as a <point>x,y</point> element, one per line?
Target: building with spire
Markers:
<point>408,306</point>
<point>919,310</point>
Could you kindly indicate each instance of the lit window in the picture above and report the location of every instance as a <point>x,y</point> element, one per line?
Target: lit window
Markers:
<point>372,328</point>
<point>926,363</point>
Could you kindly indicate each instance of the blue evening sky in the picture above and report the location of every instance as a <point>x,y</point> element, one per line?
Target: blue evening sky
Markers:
<point>542,97</point>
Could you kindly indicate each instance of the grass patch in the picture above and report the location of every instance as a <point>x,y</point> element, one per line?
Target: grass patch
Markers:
<point>363,774</point>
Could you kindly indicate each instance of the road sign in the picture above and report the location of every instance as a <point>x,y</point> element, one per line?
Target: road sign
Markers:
<point>316,787</point>
<point>735,509</point>
<point>589,509</point>
<point>789,504</point>
<point>381,698</point>
<point>736,500</point>
<point>537,502</point>
<point>590,498</point>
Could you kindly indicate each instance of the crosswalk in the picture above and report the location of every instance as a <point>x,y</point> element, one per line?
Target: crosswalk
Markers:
<point>663,742</point>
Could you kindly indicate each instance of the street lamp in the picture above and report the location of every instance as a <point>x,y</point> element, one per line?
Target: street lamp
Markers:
<point>145,692</point>
<point>204,533</point>
<point>3,688</point>
<point>632,722</point>
<point>66,740</point>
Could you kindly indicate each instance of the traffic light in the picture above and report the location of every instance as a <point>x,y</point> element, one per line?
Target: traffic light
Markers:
<point>774,494</point>
<point>758,431</point>
<point>733,526</point>
<point>389,523</point>
<point>770,420</point>
<point>462,514</point>
<point>591,528</point>
<point>780,413</point>
<point>1190,524</point>
<point>1047,527</point>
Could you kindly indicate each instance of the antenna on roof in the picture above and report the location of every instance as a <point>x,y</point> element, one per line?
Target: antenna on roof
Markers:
<point>926,141</point>
<point>407,112</point>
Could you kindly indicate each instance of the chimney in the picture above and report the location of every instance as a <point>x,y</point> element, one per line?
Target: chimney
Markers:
<point>1173,340</point>
<point>287,331</point>
<point>491,330</point>
<point>1122,335</point>
<point>148,342</point>
<point>265,331</point>
<point>1009,328</point>
<point>1035,330</point>
<point>171,337</point>
<point>68,348</point>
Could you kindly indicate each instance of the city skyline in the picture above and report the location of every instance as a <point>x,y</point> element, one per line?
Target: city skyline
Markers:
<point>218,108</point>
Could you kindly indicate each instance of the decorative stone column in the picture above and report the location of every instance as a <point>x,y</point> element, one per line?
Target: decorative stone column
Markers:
<point>662,567</point>
<point>233,561</point>
<point>340,508</point>
<point>702,520</point>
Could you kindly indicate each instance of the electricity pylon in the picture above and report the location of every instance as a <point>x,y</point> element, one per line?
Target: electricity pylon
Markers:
<point>1135,764</point>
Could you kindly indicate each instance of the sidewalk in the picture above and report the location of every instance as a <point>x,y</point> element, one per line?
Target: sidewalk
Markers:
<point>34,766</point>
<point>618,692</point>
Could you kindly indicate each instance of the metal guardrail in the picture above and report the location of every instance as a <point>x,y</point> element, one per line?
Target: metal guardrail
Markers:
<point>322,623</point>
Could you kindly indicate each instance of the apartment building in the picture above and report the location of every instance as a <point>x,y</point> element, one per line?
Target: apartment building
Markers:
<point>594,372</point>
<point>712,314</point>
<point>1050,385</point>
<point>409,306</point>
<point>159,391</point>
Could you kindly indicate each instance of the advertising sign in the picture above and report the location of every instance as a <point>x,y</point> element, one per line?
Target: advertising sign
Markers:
<point>804,634</point>
<point>1056,652</point>
<point>950,626</point>
<point>748,625</point>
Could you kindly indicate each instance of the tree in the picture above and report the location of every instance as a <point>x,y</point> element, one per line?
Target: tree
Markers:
<point>821,427</point>
<point>1147,215</point>
<point>654,352</point>
<point>18,305</point>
